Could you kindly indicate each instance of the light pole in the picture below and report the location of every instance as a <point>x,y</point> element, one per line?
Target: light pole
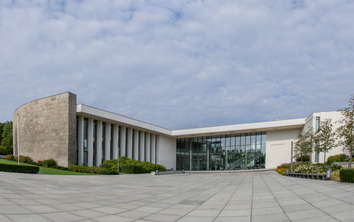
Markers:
<point>18,142</point>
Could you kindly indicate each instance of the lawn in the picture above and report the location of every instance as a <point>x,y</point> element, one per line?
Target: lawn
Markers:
<point>47,170</point>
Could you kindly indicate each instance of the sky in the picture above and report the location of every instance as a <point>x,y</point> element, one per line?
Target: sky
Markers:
<point>180,63</point>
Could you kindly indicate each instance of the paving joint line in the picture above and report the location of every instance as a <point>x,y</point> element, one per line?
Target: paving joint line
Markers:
<point>304,199</point>
<point>274,197</point>
<point>233,193</point>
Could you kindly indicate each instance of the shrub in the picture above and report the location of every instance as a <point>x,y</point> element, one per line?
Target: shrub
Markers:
<point>288,165</point>
<point>110,164</point>
<point>25,159</point>
<point>40,163</point>
<point>49,163</point>
<point>336,158</point>
<point>347,175</point>
<point>281,171</point>
<point>3,150</point>
<point>147,167</point>
<point>132,168</point>
<point>284,165</point>
<point>61,168</point>
<point>78,168</point>
<point>307,167</point>
<point>335,167</point>
<point>305,158</point>
<point>93,169</point>
<point>10,157</point>
<point>335,175</point>
<point>96,170</point>
<point>347,160</point>
<point>18,168</point>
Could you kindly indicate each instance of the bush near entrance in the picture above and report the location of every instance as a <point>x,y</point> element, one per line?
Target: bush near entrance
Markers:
<point>93,169</point>
<point>347,175</point>
<point>18,168</point>
<point>336,158</point>
<point>127,165</point>
<point>307,167</point>
<point>303,158</point>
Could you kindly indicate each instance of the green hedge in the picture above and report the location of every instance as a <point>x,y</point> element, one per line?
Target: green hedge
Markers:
<point>305,158</point>
<point>48,163</point>
<point>336,158</point>
<point>127,165</point>
<point>132,169</point>
<point>93,169</point>
<point>18,168</point>
<point>347,175</point>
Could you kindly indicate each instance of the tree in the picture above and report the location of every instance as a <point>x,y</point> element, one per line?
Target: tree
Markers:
<point>303,145</point>
<point>324,138</point>
<point>1,129</point>
<point>6,138</point>
<point>345,131</point>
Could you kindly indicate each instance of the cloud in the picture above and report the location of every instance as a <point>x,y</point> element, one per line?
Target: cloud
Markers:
<point>180,64</point>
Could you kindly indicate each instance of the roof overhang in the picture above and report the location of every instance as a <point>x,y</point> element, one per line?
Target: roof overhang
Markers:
<point>241,128</point>
<point>99,114</point>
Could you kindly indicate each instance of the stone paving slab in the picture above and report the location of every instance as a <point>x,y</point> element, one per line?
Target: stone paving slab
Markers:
<point>240,196</point>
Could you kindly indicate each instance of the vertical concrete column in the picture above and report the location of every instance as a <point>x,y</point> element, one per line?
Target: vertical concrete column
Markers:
<point>107,140</point>
<point>90,142</point>
<point>153,150</point>
<point>99,143</point>
<point>81,141</point>
<point>142,146</point>
<point>129,143</point>
<point>208,156</point>
<point>147,147</point>
<point>190,155</point>
<point>136,145</point>
<point>115,141</point>
<point>157,149</point>
<point>122,141</point>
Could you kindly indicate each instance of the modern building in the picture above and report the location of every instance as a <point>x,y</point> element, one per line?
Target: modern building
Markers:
<point>57,128</point>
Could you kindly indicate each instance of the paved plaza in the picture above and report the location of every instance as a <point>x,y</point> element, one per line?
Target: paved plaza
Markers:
<point>243,196</point>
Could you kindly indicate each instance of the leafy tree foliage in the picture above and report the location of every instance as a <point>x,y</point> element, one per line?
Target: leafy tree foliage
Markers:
<point>6,139</point>
<point>324,138</point>
<point>345,131</point>
<point>303,145</point>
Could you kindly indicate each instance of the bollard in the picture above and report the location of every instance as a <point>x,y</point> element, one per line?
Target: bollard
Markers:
<point>287,171</point>
<point>328,174</point>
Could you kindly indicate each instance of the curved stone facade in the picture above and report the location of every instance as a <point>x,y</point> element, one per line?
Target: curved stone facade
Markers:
<point>47,129</point>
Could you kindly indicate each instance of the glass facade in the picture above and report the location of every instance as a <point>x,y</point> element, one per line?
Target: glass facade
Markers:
<point>223,152</point>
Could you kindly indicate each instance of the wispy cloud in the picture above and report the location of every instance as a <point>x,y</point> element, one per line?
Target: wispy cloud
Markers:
<point>180,64</point>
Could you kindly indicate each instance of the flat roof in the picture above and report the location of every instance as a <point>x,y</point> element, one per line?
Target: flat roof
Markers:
<point>104,115</point>
<point>241,128</point>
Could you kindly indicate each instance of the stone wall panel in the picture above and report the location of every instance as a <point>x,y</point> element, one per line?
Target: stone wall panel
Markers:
<point>47,129</point>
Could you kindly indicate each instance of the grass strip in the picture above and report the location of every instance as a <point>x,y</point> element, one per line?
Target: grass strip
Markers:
<point>46,170</point>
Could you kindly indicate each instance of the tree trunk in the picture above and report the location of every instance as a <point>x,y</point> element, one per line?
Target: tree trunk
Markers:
<point>324,161</point>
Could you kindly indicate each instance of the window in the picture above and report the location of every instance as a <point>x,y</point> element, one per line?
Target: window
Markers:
<point>224,152</point>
